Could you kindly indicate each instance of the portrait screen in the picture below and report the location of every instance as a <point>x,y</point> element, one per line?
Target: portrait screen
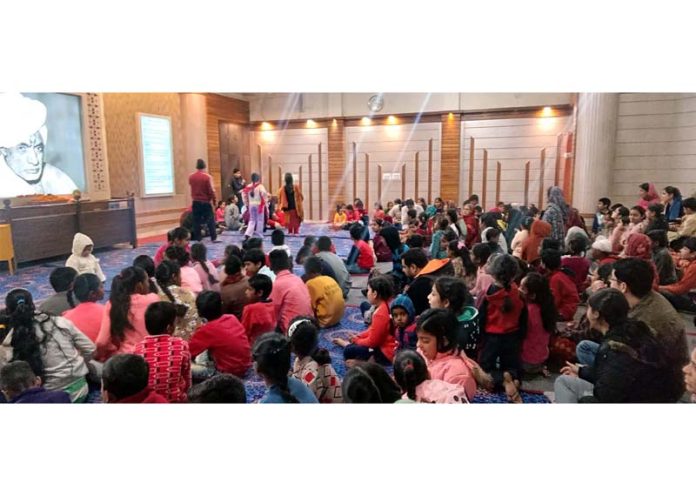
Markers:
<point>157,156</point>
<point>41,148</point>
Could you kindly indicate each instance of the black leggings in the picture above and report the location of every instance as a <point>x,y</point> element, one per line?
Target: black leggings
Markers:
<point>501,353</point>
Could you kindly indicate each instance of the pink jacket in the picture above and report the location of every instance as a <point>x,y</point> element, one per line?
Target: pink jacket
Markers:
<point>290,298</point>
<point>205,281</point>
<point>87,317</point>
<point>190,280</point>
<point>483,281</point>
<point>136,315</point>
<point>535,347</point>
<point>455,368</point>
<point>435,391</point>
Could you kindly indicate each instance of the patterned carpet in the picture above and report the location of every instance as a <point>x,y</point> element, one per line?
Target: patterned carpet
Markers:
<point>34,277</point>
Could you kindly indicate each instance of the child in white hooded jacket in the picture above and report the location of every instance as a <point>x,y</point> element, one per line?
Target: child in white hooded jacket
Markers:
<point>82,259</point>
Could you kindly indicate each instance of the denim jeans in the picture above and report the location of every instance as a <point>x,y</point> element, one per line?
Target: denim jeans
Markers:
<point>569,389</point>
<point>356,269</point>
<point>586,351</point>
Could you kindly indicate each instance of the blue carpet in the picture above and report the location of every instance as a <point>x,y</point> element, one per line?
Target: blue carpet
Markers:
<point>34,277</point>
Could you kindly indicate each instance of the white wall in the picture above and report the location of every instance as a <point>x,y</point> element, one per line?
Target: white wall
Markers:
<point>281,106</point>
<point>655,142</point>
<point>512,142</point>
<point>391,146</point>
<point>290,149</point>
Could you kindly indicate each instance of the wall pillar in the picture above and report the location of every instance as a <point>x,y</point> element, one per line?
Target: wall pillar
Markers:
<point>595,147</point>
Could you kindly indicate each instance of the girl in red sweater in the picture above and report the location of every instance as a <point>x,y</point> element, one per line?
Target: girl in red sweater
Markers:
<point>377,342</point>
<point>541,323</point>
<point>565,292</point>
<point>503,317</point>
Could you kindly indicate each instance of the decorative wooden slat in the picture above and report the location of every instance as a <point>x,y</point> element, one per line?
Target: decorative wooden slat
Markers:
<point>484,185</point>
<point>270,174</point>
<point>280,176</point>
<point>367,182</point>
<point>337,164</point>
<point>526,183</point>
<point>450,157</point>
<point>557,165</point>
<point>311,203</point>
<point>258,150</point>
<point>542,160</point>
<point>403,181</point>
<point>497,183</point>
<point>379,182</point>
<point>569,167</point>
<point>301,185</point>
<point>355,171</point>
<point>417,176</point>
<point>471,166</point>
<point>430,171</point>
<point>321,185</point>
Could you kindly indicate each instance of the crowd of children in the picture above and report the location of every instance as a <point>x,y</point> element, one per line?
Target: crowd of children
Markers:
<point>473,299</point>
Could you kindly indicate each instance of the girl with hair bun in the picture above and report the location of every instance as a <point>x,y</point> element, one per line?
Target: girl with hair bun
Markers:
<point>411,374</point>
<point>54,348</point>
<point>271,356</point>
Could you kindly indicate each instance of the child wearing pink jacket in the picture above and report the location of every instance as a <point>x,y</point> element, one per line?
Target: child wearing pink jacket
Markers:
<point>437,342</point>
<point>412,375</point>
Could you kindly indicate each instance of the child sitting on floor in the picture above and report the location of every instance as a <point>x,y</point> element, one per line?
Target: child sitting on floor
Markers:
<point>403,318</point>
<point>168,357</point>
<point>411,374</point>
<point>206,270</point>
<point>503,318</point>
<point>168,275</point>
<point>179,236</point>
<point>437,342</point>
<point>61,279</point>
<point>272,358</point>
<point>223,337</point>
<point>255,263</point>
<point>125,380</point>
<point>233,287</point>
<point>82,259</point>
<point>541,323</point>
<point>562,285</point>
<point>87,316</point>
<point>189,276</point>
<point>436,250</point>
<point>377,341</point>
<point>146,263</point>
<point>361,258</point>
<point>313,364</point>
<point>19,384</point>
<point>278,240</point>
<point>258,316</point>
<point>451,293</point>
<point>577,262</point>
<point>326,296</point>
<point>222,388</point>
<point>480,254</point>
<point>307,250</point>
<point>340,218</point>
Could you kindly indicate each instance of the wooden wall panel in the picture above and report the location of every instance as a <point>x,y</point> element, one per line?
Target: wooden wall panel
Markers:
<point>337,164</point>
<point>450,157</point>
<point>221,108</point>
<point>655,142</point>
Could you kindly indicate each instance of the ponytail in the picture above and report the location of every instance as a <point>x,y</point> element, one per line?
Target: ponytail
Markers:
<point>199,254</point>
<point>272,356</point>
<point>165,272</point>
<point>71,298</point>
<point>122,287</point>
<point>21,319</point>
<point>503,269</point>
<point>321,356</point>
<point>410,370</point>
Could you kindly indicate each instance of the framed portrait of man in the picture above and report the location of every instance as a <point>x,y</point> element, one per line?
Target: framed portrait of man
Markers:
<point>41,144</point>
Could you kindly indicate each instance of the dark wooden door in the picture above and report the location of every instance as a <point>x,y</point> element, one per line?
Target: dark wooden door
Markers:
<point>234,154</point>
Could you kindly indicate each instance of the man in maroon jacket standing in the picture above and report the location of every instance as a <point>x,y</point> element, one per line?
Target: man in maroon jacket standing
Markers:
<point>203,196</point>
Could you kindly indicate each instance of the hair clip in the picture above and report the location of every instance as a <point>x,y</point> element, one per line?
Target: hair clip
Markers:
<point>293,327</point>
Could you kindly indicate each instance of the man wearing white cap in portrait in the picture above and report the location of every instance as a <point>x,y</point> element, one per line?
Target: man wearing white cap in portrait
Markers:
<point>23,134</point>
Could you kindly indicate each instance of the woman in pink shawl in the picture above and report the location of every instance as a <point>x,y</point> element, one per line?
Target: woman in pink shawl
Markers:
<point>639,245</point>
<point>648,195</point>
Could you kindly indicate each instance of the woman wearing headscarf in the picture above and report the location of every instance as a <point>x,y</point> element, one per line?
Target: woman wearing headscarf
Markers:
<point>393,241</point>
<point>290,198</point>
<point>514,217</point>
<point>648,195</point>
<point>640,246</point>
<point>255,198</point>
<point>672,200</point>
<point>556,213</point>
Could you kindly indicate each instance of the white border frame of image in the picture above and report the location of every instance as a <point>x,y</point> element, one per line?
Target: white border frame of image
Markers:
<point>141,193</point>
<point>90,193</point>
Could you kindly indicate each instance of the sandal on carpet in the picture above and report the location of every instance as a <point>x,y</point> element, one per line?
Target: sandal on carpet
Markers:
<point>511,388</point>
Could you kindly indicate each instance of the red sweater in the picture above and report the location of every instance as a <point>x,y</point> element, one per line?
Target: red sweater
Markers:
<point>145,396</point>
<point>565,294</point>
<point>535,347</point>
<point>686,283</point>
<point>365,258</point>
<point>580,267</point>
<point>259,318</point>
<point>170,365</point>
<point>378,335</point>
<point>227,343</point>
<point>498,322</point>
<point>201,187</point>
